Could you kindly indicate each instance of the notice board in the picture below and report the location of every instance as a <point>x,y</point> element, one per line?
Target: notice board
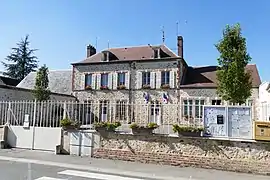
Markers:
<point>240,122</point>
<point>215,121</point>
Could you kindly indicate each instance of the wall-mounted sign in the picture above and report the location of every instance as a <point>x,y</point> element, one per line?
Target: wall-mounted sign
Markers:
<point>220,119</point>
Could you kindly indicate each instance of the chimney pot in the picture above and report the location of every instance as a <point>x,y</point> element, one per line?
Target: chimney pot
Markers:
<point>91,50</point>
<point>180,46</point>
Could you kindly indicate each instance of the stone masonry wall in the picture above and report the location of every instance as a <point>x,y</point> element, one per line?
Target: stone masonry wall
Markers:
<point>248,157</point>
<point>140,111</point>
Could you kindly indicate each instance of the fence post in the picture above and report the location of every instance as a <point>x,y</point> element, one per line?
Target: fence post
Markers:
<point>34,123</point>
<point>65,110</point>
<point>8,113</point>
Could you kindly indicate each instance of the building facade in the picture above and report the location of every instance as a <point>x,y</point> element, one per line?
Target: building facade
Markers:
<point>118,81</point>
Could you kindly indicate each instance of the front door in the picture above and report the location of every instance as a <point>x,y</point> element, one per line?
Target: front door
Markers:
<point>155,112</point>
<point>103,111</point>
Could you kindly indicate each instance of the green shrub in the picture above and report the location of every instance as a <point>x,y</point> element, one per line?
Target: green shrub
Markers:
<point>107,125</point>
<point>134,125</point>
<point>68,122</point>
<point>152,125</point>
<point>177,128</point>
<point>148,126</point>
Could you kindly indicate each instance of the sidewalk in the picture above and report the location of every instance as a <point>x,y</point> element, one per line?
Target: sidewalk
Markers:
<point>124,168</point>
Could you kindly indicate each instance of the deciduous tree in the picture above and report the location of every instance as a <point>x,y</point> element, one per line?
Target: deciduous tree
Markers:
<point>234,81</point>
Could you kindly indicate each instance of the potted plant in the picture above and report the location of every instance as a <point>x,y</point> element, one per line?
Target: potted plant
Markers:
<point>146,86</point>
<point>188,130</point>
<point>165,86</point>
<point>69,124</point>
<point>148,129</point>
<point>88,87</point>
<point>121,87</point>
<point>106,126</point>
<point>104,87</point>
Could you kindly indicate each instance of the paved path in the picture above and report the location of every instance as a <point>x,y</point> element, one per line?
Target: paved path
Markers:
<point>34,165</point>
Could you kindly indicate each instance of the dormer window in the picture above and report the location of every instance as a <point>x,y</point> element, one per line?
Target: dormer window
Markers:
<point>156,53</point>
<point>106,56</point>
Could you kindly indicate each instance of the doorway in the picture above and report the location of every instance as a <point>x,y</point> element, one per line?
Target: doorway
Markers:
<point>155,112</point>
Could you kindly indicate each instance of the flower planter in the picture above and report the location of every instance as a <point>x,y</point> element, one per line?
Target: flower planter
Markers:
<point>165,86</point>
<point>121,87</point>
<point>104,88</point>
<point>146,87</point>
<point>104,129</point>
<point>190,134</point>
<point>69,127</point>
<point>142,131</point>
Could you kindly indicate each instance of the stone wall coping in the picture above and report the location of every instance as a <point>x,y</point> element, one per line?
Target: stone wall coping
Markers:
<point>210,138</point>
<point>176,136</point>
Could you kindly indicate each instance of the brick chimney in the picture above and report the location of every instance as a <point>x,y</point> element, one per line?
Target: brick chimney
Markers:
<point>180,46</point>
<point>91,50</point>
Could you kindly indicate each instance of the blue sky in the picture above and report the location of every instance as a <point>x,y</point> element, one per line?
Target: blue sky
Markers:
<point>61,29</point>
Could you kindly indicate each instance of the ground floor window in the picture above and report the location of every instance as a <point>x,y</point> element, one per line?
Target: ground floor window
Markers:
<point>121,110</point>
<point>193,108</point>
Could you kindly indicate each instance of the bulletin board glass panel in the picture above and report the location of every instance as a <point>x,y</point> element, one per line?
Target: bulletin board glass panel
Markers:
<point>215,121</point>
<point>240,122</point>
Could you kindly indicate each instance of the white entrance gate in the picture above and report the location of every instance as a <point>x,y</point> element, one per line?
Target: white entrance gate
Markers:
<point>32,124</point>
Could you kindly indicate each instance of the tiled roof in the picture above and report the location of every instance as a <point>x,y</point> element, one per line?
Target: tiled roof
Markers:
<point>206,76</point>
<point>130,53</point>
<point>60,81</point>
<point>9,81</point>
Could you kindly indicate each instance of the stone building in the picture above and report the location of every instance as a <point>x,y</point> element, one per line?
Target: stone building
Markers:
<point>118,81</point>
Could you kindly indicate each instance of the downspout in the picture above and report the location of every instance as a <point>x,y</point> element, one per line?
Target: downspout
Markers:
<point>179,64</point>
<point>131,91</point>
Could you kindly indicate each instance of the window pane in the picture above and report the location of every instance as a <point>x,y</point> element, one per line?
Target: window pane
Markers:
<point>121,110</point>
<point>88,80</point>
<point>104,79</point>
<point>146,78</point>
<point>121,79</point>
<point>165,77</point>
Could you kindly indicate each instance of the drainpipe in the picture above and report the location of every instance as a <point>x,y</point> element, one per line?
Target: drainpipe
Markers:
<point>180,70</point>
<point>132,68</point>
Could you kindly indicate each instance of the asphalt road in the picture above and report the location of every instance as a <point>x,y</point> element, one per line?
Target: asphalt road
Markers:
<point>26,171</point>
<point>19,164</point>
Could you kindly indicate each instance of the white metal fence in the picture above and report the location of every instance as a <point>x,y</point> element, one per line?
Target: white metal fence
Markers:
<point>264,111</point>
<point>49,114</point>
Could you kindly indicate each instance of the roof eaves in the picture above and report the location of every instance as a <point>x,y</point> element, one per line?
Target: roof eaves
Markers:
<point>126,61</point>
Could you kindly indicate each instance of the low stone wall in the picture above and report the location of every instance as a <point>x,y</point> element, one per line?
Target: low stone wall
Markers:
<point>238,156</point>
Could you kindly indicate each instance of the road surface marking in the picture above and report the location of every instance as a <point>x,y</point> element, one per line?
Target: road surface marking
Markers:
<point>96,175</point>
<point>48,178</point>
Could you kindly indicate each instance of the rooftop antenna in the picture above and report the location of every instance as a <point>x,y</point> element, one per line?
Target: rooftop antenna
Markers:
<point>177,24</point>
<point>108,44</point>
<point>163,35</point>
<point>96,42</point>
